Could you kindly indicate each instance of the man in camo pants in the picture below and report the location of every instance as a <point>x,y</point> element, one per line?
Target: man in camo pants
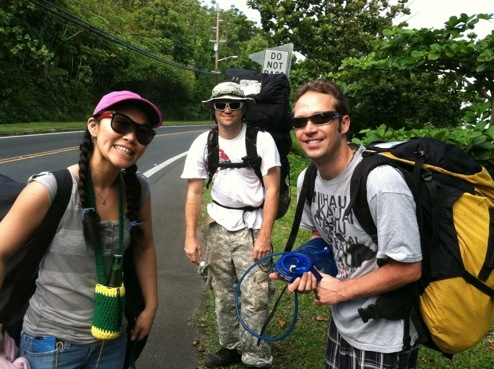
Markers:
<point>242,215</point>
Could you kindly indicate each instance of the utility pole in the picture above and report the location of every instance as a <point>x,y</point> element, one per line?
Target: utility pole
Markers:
<point>217,43</point>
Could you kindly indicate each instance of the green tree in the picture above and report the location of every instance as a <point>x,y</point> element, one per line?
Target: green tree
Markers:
<point>452,58</point>
<point>27,64</point>
<point>326,32</point>
<point>58,57</point>
<point>399,99</point>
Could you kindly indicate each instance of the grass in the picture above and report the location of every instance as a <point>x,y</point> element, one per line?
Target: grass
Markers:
<point>305,347</point>
<point>13,129</point>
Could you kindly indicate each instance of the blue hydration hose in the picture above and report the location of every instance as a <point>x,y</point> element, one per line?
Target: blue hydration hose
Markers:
<point>313,256</point>
<point>237,293</point>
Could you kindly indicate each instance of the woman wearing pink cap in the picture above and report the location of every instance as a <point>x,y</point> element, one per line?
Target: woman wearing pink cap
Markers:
<point>110,207</point>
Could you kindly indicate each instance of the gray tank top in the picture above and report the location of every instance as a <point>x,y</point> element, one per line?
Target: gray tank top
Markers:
<point>62,305</point>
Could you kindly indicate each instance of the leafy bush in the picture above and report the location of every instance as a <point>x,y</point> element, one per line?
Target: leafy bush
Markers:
<point>476,140</point>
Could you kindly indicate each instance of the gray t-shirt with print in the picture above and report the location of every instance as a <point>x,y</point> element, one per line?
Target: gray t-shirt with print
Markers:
<point>393,209</point>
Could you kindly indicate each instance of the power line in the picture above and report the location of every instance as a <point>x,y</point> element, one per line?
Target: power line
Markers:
<point>52,8</point>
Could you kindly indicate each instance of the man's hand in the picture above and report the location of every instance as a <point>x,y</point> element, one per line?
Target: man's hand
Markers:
<point>304,284</point>
<point>262,248</point>
<point>193,250</point>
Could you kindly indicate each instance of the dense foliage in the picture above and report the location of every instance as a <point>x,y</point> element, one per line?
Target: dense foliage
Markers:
<point>443,77</point>
<point>58,57</point>
<point>392,75</point>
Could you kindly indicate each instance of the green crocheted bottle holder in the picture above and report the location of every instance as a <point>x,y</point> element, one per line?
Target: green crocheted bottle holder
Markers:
<point>108,312</point>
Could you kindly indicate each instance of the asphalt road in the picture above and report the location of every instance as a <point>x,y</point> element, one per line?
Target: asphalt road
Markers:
<point>170,344</point>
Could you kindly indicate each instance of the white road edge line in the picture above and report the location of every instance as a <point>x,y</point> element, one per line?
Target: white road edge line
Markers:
<point>157,168</point>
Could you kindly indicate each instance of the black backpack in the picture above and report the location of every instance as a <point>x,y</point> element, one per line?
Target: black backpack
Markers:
<point>22,267</point>
<point>271,113</point>
<point>452,305</point>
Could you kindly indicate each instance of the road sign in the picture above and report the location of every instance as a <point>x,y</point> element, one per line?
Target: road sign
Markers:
<point>276,61</point>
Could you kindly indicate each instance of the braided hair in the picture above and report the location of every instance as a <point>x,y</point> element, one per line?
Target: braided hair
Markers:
<point>91,220</point>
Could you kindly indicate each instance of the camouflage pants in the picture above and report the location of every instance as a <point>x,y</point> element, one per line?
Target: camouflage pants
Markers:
<point>229,255</point>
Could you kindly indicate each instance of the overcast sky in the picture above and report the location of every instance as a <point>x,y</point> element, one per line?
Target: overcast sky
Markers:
<point>425,13</point>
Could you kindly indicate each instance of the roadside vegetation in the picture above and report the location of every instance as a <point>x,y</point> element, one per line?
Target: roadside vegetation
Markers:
<point>13,129</point>
<point>58,57</point>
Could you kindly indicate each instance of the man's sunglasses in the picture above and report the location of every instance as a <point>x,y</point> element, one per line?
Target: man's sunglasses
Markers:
<point>319,118</point>
<point>221,106</point>
<point>122,124</point>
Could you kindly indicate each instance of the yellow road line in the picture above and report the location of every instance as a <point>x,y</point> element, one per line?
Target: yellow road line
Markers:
<point>66,149</point>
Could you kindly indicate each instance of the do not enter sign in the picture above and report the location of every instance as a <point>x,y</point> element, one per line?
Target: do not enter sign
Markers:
<point>275,61</point>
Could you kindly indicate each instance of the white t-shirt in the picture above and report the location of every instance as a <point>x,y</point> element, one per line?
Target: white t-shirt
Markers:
<point>233,187</point>
<point>393,209</point>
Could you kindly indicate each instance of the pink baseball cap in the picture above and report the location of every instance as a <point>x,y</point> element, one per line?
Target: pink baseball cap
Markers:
<point>133,99</point>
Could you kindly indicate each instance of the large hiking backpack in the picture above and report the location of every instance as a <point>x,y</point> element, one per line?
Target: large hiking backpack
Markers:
<point>21,271</point>
<point>270,113</point>
<point>452,305</point>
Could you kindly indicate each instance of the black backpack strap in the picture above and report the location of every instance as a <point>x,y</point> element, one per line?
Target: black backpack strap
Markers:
<point>358,191</point>
<point>307,188</point>
<point>251,147</point>
<point>42,238</point>
<point>244,208</point>
<point>388,306</point>
<point>251,160</point>
<point>213,154</point>
<point>306,194</point>
<point>134,305</point>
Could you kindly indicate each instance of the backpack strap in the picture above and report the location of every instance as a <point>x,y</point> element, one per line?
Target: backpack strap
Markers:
<point>358,191</point>
<point>251,160</point>
<point>306,194</point>
<point>387,305</point>
<point>42,238</point>
<point>213,154</point>
<point>251,147</point>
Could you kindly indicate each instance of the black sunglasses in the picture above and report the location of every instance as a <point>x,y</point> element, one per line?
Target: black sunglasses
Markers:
<point>221,106</point>
<point>122,124</point>
<point>319,118</point>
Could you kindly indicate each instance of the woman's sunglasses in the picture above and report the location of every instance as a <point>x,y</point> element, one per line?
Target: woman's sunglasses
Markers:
<point>319,118</point>
<point>122,124</point>
<point>221,106</point>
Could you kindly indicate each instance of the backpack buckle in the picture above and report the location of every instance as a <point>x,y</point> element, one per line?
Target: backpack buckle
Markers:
<point>370,312</point>
<point>252,162</point>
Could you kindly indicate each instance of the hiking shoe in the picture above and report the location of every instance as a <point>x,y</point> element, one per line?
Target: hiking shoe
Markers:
<point>223,357</point>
